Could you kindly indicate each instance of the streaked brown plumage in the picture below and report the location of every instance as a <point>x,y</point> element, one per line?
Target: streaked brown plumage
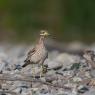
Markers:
<point>38,54</point>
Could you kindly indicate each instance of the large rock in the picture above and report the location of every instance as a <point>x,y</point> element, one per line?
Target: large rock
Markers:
<point>62,60</point>
<point>67,59</point>
<point>54,64</point>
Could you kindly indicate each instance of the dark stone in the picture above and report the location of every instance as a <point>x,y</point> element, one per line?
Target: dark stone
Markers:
<point>75,66</point>
<point>83,90</point>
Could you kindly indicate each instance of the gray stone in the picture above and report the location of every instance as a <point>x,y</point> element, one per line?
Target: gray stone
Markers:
<point>62,60</point>
<point>90,92</point>
<point>53,64</point>
<point>92,73</point>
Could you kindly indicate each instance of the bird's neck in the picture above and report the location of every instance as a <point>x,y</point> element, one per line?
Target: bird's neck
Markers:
<point>41,40</point>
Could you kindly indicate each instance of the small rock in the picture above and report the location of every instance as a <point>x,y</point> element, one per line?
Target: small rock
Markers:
<point>75,66</point>
<point>44,89</point>
<point>82,89</point>
<point>68,73</point>
<point>90,92</point>
<point>18,90</point>
<point>92,73</point>
<point>77,79</point>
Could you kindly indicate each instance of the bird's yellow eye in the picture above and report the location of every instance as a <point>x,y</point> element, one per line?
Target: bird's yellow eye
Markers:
<point>44,33</point>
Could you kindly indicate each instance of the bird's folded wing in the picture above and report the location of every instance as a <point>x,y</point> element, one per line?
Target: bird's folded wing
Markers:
<point>31,52</point>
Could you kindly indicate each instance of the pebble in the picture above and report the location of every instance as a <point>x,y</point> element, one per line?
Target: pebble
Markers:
<point>90,92</point>
<point>77,79</point>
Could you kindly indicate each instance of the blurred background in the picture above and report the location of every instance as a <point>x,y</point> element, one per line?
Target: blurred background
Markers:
<point>66,20</point>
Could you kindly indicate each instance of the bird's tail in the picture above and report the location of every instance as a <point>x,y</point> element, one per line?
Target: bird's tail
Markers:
<point>27,62</point>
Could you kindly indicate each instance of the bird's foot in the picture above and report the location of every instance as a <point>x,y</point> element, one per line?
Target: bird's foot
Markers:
<point>44,69</point>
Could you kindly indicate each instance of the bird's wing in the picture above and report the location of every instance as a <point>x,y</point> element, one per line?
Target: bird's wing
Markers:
<point>31,52</point>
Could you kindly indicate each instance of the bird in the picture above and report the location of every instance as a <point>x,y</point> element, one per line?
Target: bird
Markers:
<point>89,56</point>
<point>39,53</point>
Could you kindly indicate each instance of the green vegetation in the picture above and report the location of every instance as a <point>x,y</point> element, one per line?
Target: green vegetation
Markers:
<point>66,19</point>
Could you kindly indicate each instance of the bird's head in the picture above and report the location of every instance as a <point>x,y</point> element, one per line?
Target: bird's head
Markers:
<point>44,33</point>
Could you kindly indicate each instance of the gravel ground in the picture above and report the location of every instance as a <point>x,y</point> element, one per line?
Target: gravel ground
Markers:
<point>66,74</point>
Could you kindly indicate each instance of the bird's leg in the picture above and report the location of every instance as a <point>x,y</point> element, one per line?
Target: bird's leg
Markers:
<point>41,70</point>
<point>33,71</point>
<point>45,68</point>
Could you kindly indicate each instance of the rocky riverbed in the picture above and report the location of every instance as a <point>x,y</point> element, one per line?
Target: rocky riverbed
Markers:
<point>65,73</point>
